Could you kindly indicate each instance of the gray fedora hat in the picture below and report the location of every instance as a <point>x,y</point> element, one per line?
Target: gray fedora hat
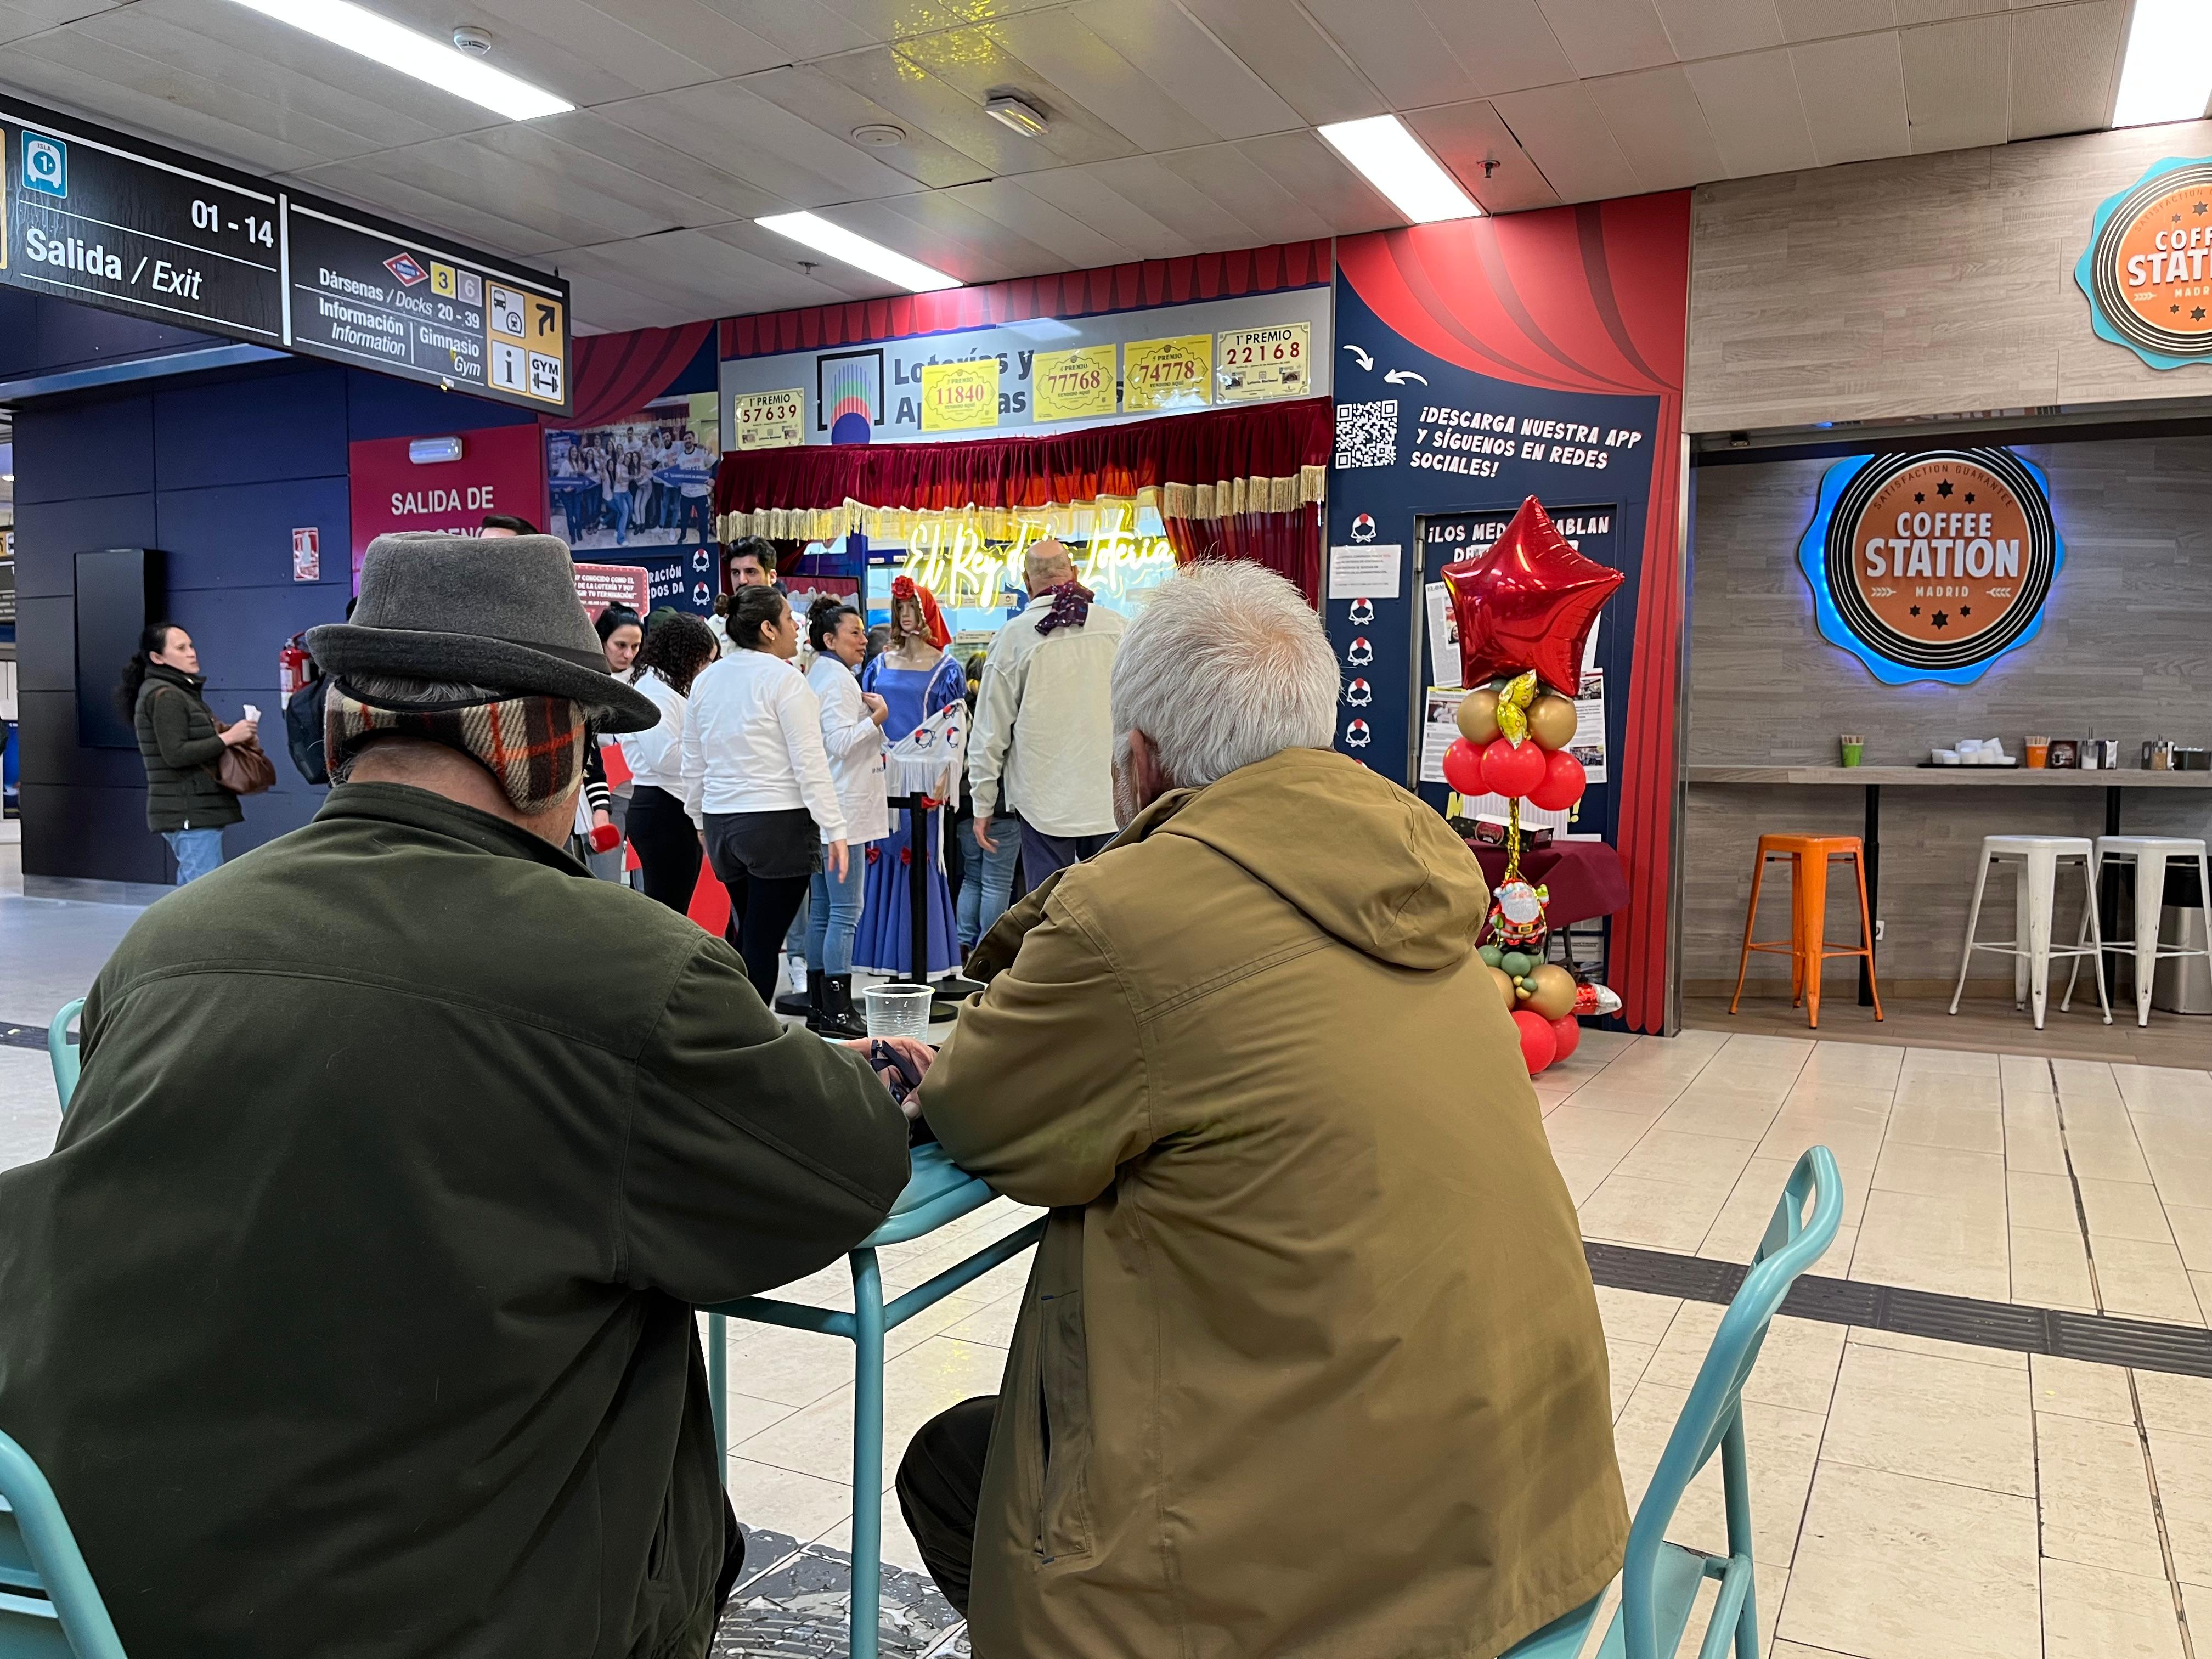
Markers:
<point>501,613</point>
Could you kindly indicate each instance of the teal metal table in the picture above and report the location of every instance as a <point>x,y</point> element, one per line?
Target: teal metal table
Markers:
<point>938,1192</point>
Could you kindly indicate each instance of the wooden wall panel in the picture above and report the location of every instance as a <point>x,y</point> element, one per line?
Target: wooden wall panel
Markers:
<point>2124,652</point>
<point>1923,285</point>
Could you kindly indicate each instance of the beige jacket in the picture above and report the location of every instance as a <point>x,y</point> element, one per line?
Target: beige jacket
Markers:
<point>1043,727</point>
<point>1310,1362</point>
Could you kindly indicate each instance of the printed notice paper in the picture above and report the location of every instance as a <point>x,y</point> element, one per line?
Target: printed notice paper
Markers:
<point>1367,572</point>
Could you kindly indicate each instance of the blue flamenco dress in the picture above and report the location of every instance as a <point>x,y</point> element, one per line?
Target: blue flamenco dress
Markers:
<point>884,941</point>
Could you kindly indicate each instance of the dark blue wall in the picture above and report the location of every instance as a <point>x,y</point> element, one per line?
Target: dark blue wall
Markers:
<point>216,473</point>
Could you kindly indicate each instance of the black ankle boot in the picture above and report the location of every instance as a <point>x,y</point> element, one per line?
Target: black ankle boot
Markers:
<point>835,1017</point>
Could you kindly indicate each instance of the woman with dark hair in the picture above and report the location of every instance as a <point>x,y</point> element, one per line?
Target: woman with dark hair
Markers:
<point>620,633</point>
<point>179,739</point>
<point>852,737</point>
<point>757,782</point>
<point>675,651</point>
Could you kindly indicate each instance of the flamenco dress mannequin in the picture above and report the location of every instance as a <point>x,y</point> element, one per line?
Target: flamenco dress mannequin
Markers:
<point>918,679</point>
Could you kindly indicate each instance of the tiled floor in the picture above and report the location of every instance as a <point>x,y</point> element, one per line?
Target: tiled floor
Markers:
<point>1911,1499</point>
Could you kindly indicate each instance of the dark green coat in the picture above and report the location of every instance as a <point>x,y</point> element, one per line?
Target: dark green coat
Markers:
<point>180,743</point>
<point>351,1316</point>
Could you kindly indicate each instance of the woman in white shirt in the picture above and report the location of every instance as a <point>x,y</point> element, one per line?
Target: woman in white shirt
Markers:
<point>852,737</point>
<point>660,828</point>
<point>756,781</point>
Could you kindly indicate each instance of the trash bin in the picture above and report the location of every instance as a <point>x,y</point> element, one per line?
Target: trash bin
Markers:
<point>2182,985</point>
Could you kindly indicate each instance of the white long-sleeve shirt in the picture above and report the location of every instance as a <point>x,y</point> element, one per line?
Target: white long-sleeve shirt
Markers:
<point>752,742</point>
<point>655,756</point>
<point>1042,723</point>
<point>854,744</point>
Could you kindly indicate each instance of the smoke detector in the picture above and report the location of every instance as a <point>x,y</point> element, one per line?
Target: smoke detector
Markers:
<point>1019,114</point>
<point>475,42</point>
<point>879,135</point>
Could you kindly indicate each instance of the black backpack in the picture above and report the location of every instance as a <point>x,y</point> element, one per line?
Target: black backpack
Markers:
<point>303,729</point>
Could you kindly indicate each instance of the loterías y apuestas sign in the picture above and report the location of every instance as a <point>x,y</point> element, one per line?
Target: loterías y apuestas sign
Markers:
<point>1931,565</point>
<point>2148,270</point>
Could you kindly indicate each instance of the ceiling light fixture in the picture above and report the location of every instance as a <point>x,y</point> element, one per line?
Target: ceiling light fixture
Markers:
<point>358,29</point>
<point>2167,73</point>
<point>838,243</point>
<point>1389,158</point>
<point>1020,115</point>
<point>879,135</point>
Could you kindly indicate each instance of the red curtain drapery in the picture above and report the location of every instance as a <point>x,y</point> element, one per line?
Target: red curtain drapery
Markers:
<point>1271,459</point>
<point>616,375</point>
<point>1288,543</point>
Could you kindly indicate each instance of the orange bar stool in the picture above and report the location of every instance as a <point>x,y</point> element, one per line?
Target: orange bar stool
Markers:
<point>1806,946</point>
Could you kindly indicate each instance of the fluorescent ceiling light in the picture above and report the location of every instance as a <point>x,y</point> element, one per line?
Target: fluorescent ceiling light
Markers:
<point>1393,161</point>
<point>873,258</point>
<point>2167,73</point>
<point>358,29</point>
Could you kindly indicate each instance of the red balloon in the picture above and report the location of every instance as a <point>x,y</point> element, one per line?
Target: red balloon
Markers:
<point>1538,1046</point>
<point>1563,783</point>
<point>1567,1035</point>
<point>1527,601</point>
<point>1463,767</point>
<point>1510,768</point>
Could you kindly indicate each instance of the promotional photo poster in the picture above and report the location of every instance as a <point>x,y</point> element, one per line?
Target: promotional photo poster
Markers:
<point>645,481</point>
<point>1479,362</point>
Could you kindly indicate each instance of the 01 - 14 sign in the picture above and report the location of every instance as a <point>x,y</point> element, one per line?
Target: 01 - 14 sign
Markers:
<point>1930,566</point>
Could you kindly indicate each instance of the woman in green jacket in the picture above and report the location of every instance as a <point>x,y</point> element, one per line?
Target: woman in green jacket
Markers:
<point>180,740</point>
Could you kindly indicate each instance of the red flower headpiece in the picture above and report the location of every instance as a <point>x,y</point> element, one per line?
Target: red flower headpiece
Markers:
<point>904,591</point>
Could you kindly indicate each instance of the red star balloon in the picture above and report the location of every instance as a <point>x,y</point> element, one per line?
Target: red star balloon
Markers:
<point>1527,602</point>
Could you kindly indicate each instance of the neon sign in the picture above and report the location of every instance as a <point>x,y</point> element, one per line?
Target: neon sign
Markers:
<point>954,561</point>
<point>1932,565</point>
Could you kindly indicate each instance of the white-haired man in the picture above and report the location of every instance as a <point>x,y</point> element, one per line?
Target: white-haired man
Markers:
<point>1310,1361</point>
<point>1042,734</point>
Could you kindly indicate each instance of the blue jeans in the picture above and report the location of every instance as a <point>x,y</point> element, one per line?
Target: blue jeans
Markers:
<point>198,851</point>
<point>833,913</point>
<point>620,500</point>
<point>987,881</point>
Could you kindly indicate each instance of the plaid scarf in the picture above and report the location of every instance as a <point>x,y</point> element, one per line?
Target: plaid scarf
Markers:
<point>1071,603</point>
<point>534,745</point>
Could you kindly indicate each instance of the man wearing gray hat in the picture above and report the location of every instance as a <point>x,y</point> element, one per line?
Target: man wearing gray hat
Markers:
<point>353,1310</point>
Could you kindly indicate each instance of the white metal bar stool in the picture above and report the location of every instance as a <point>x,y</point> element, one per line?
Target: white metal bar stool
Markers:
<point>2036,895</point>
<point>2151,854</point>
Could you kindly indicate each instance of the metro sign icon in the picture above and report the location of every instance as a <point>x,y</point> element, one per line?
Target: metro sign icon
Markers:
<point>402,265</point>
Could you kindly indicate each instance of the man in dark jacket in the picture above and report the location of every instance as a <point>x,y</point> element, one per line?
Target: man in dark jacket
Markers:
<point>352,1314</point>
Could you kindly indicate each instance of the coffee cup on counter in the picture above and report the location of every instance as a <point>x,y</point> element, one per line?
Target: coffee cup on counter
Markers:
<point>2039,751</point>
<point>1854,751</point>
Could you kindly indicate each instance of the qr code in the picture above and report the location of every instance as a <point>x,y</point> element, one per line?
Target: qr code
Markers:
<point>1367,434</point>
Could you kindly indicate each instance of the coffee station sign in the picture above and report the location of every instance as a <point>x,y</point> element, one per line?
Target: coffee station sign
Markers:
<point>2148,270</point>
<point>1931,565</point>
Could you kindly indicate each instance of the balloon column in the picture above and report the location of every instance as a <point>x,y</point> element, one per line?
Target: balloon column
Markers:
<point>1525,606</point>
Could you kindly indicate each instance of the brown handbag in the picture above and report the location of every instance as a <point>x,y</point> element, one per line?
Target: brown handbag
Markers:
<point>244,770</point>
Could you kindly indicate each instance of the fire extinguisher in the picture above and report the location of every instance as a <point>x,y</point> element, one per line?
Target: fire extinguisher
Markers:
<point>292,667</point>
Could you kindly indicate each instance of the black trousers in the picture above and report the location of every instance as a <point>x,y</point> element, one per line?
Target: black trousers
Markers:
<point>766,861</point>
<point>939,1479</point>
<point>668,847</point>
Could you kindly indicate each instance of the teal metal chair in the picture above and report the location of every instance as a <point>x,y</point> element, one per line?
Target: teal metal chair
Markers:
<point>1659,1582</point>
<point>63,1053</point>
<point>49,1607</point>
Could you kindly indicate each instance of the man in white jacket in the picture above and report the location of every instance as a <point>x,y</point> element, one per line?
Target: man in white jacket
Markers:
<point>1042,727</point>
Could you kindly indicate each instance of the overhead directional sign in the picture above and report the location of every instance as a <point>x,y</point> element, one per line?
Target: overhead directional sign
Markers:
<point>109,221</point>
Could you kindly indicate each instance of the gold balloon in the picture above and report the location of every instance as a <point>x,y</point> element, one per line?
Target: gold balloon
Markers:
<point>1504,981</point>
<point>1477,716</point>
<point>1552,721</point>
<point>1552,991</point>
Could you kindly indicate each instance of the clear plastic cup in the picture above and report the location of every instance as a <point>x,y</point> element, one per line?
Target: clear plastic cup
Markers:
<point>896,1009</point>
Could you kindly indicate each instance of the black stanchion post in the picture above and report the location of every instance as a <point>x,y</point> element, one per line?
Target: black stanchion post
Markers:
<point>917,888</point>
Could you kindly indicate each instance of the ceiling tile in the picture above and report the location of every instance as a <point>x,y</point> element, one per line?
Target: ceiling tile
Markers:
<point>1463,136</point>
<point>1853,91</point>
<point>665,166</point>
<point>1070,55</point>
<point>571,47</point>
<point>1562,131</point>
<point>1604,37</point>
<point>1660,128</point>
<point>2065,60</point>
<point>1080,193</point>
<point>1282,47</point>
<point>802,28</point>
<point>1187,211</point>
<point>1303,165</point>
<point>732,126</point>
<point>1502,45</point>
<point>948,234</point>
<point>700,33</point>
<point>1957,82</point>
<point>21,18</point>
<point>380,188</point>
<point>1192,67</point>
<point>833,106</point>
<point>654,282</point>
<point>1397,48</point>
<point>1712,28</point>
<point>1752,107</point>
<point>1825,19</point>
<point>1938,11</point>
<point>1072,241</point>
<point>751,259</point>
<point>938,83</point>
<point>1247,192</point>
